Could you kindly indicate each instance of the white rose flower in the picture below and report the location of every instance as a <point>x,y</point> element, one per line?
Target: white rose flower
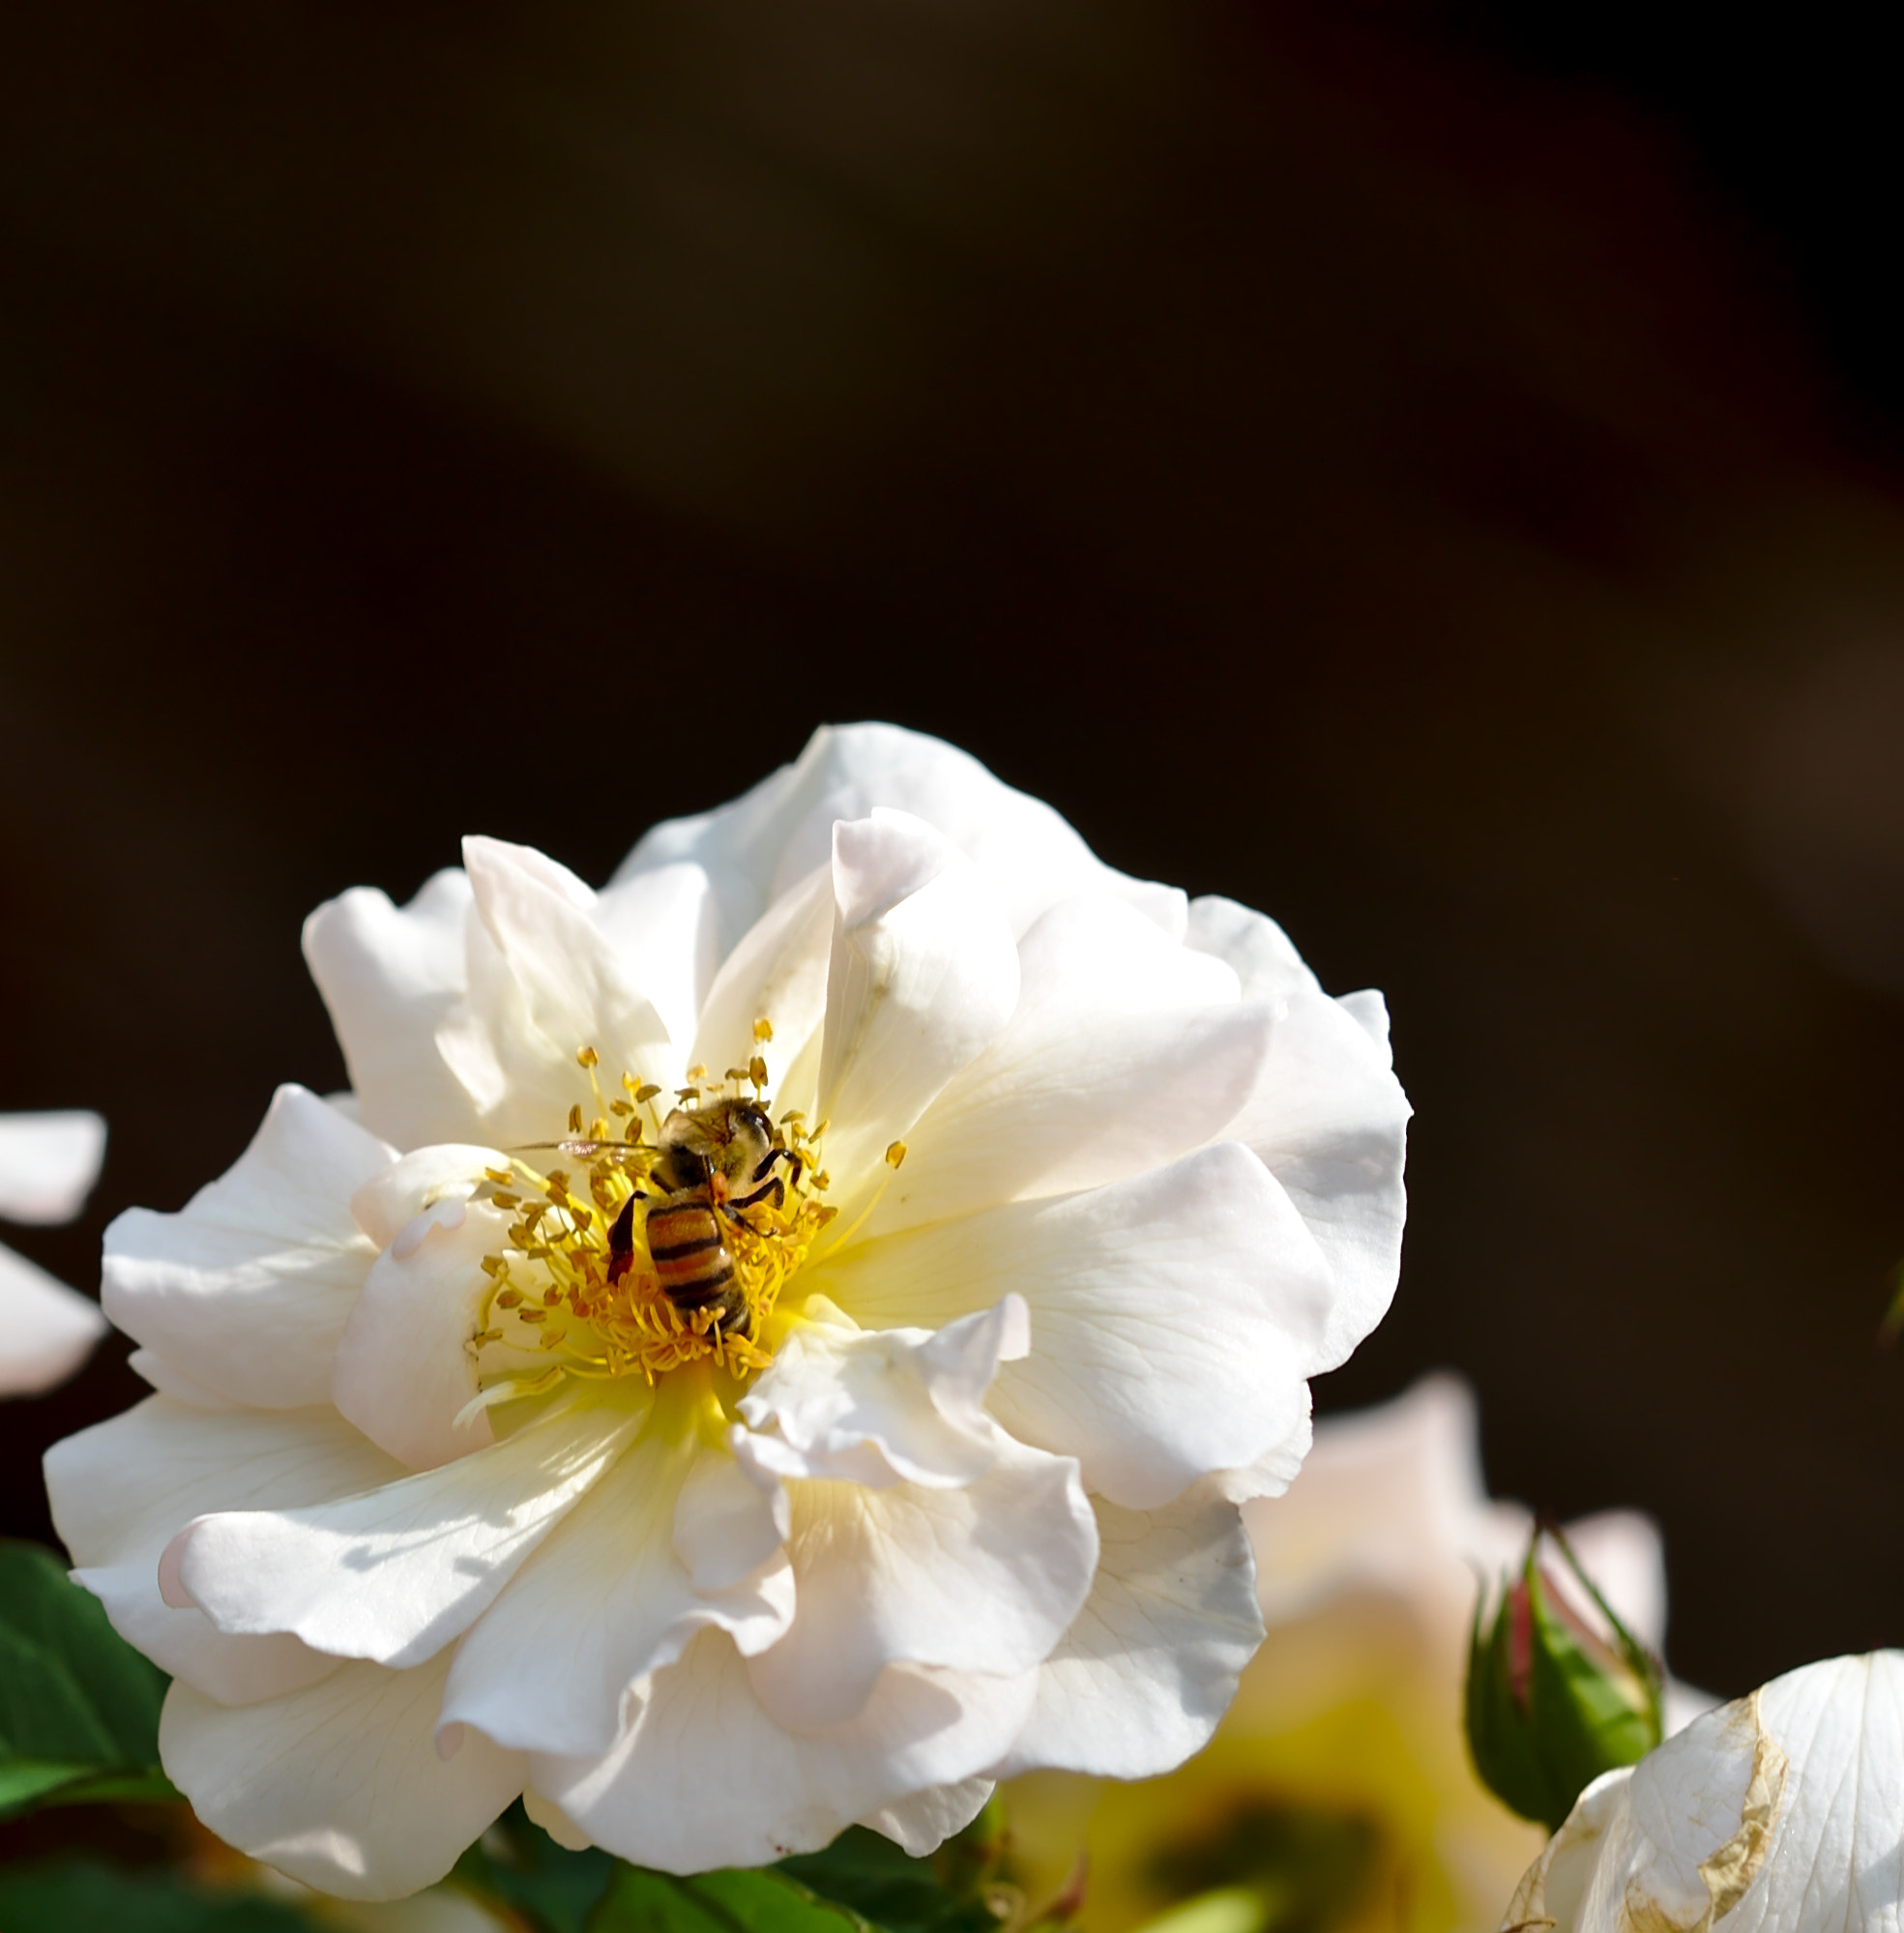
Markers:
<point>868,1428</point>
<point>1782,1813</point>
<point>48,1163</point>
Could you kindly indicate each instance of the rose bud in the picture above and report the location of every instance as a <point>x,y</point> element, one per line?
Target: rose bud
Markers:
<point>1556,1695</point>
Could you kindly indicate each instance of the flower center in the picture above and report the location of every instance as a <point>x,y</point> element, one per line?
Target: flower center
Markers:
<point>666,1240</point>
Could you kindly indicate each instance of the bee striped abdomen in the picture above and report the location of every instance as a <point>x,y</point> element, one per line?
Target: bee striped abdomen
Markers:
<point>689,1257</point>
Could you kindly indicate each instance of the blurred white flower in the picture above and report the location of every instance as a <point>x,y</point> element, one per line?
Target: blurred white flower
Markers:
<point>1782,1813</point>
<point>48,1163</point>
<point>1367,1574</point>
<point>888,1437</point>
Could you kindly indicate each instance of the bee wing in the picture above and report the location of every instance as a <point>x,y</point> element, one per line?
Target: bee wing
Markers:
<point>582,1150</point>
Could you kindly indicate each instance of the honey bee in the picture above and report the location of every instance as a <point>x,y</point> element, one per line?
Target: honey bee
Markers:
<point>717,1163</point>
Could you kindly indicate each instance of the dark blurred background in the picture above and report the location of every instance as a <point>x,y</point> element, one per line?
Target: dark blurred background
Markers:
<point>1429,472</point>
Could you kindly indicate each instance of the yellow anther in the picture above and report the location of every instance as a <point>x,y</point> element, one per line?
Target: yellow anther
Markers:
<point>688,1094</point>
<point>576,1119</point>
<point>735,1073</point>
<point>757,1071</point>
<point>485,1335</point>
<point>509,1298</point>
<point>763,1028</point>
<point>500,1173</point>
<point>620,1107</point>
<point>896,1152</point>
<point>493,1265</point>
<point>646,1092</point>
<point>586,1057</point>
<point>697,1074</point>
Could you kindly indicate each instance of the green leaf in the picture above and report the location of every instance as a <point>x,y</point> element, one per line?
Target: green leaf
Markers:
<point>866,1872</point>
<point>78,1706</point>
<point>66,1896</point>
<point>767,1901</point>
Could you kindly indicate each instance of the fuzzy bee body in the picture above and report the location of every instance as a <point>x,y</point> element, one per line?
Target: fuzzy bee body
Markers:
<point>688,1247</point>
<point>715,1163</point>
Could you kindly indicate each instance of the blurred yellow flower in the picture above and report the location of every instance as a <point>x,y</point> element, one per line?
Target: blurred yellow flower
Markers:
<point>1337,1796</point>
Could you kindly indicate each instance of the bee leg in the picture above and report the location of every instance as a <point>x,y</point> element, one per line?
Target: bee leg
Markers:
<point>776,1188</point>
<point>774,1154</point>
<point>621,1240</point>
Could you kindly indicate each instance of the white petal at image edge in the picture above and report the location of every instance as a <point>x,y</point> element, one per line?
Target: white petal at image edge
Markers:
<point>1782,1813</point>
<point>48,1163</point>
<point>46,1330</point>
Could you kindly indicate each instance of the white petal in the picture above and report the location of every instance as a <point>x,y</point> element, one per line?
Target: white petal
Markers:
<point>1173,1316</point>
<point>340,1785</point>
<point>1252,944</point>
<point>553,1821</point>
<point>759,845</point>
<point>1370,1012</point>
<point>1274,1470</point>
<point>1152,1662</point>
<point>48,1163</point>
<point>604,1603</point>
<point>1329,1120</point>
<point>777,973</point>
<point>880,1406</point>
<point>169,1380</point>
<point>704,1778</point>
<point>923,974</point>
<point>122,1488</point>
<point>393,1198</point>
<point>1837,1848</point>
<point>405,1371</point>
<point>924,1821</point>
<point>1124,1051</point>
<point>545,982</point>
<point>1780,1813</point>
<point>390,978</point>
<point>392,1574</point>
<point>46,1330</point>
<point>660,924</point>
<point>728,1522</point>
<point>1683,1840</point>
<point>985,1578</point>
<point>248,1286</point>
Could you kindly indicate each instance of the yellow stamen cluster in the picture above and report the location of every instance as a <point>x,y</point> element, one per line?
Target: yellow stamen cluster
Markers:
<point>550,1290</point>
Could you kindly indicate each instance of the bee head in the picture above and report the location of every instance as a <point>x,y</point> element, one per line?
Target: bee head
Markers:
<point>732,1137</point>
